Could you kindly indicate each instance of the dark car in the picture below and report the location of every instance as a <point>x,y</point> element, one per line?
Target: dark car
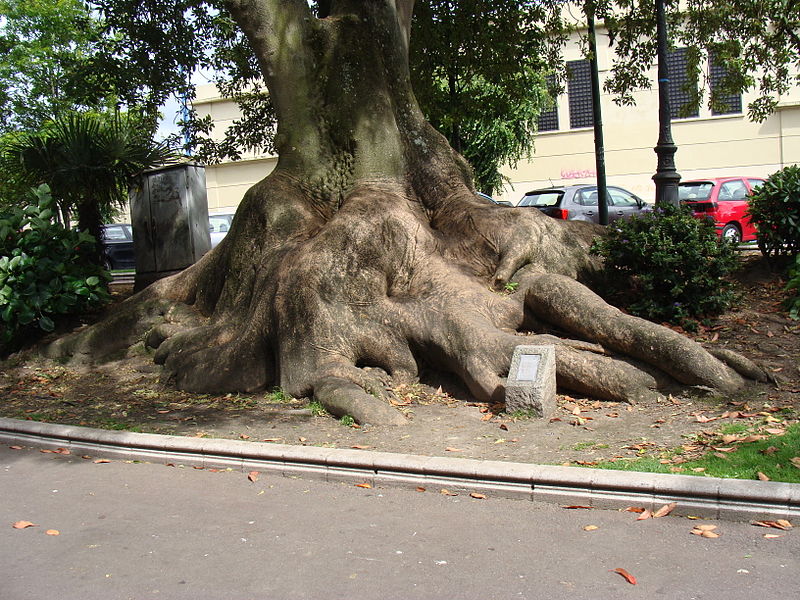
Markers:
<point>117,245</point>
<point>487,197</point>
<point>723,200</point>
<point>579,203</point>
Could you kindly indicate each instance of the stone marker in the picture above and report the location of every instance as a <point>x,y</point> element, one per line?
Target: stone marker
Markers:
<point>531,384</point>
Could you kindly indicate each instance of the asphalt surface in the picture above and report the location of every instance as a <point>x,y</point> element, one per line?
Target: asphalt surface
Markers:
<point>141,531</point>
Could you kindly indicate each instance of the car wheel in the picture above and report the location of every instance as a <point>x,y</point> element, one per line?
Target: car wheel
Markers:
<point>731,233</point>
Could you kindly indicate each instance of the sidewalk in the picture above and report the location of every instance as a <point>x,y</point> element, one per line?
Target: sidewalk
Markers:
<point>705,497</point>
<point>147,531</point>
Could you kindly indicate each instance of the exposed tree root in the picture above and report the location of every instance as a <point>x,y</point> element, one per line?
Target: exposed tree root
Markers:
<point>375,288</point>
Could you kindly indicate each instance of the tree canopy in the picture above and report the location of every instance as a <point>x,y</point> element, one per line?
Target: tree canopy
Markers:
<point>45,49</point>
<point>477,66</point>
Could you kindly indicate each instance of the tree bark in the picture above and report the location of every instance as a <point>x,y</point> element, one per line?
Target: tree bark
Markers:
<point>366,251</point>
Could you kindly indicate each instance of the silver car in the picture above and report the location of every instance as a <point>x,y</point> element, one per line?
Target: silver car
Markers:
<point>579,203</point>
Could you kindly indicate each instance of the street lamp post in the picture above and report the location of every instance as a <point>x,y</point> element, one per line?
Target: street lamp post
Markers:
<point>666,177</point>
<point>599,149</point>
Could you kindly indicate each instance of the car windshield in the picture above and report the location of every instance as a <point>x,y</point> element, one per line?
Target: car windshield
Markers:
<point>219,223</point>
<point>114,233</point>
<point>692,191</point>
<point>544,198</point>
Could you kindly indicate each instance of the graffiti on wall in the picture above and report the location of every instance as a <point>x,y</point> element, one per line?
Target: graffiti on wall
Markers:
<point>577,173</point>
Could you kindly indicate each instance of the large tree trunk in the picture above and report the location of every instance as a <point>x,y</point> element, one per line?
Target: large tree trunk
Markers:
<point>366,247</point>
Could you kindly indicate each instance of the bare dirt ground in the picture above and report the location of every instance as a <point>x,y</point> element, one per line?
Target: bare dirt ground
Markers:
<point>443,419</point>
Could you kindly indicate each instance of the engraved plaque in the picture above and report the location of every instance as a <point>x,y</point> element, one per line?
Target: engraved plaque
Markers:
<point>528,367</point>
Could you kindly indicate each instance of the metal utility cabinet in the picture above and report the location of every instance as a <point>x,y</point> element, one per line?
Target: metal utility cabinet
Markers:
<point>169,214</point>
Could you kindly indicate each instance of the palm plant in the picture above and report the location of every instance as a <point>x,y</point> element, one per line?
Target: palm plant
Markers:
<point>88,160</point>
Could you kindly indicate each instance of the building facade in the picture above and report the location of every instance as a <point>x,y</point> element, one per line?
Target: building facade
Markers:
<point>710,143</point>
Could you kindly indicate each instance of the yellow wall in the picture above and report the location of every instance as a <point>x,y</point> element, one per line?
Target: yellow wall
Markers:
<point>228,181</point>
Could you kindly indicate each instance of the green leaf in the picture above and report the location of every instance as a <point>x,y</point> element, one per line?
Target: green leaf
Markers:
<point>46,323</point>
<point>93,280</point>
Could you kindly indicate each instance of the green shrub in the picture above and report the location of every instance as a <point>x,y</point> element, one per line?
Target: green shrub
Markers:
<point>774,210</point>
<point>668,266</point>
<point>45,272</point>
<point>793,302</point>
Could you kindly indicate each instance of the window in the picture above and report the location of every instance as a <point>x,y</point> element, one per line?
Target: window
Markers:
<point>680,97</point>
<point>732,190</point>
<point>586,197</point>
<point>548,119</point>
<point>579,90</point>
<point>541,199</point>
<point>618,197</point>
<point>755,183</point>
<point>695,190</point>
<point>114,232</point>
<point>731,103</point>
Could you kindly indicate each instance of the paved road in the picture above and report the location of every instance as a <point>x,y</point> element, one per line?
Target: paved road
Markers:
<point>146,531</point>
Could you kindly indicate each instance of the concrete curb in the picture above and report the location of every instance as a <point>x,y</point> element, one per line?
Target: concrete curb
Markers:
<point>706,497</point>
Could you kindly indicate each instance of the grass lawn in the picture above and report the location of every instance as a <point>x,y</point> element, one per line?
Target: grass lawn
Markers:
<point>776,457</point>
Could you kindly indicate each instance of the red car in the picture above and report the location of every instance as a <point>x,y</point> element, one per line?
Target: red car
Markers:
<point>723,200</point>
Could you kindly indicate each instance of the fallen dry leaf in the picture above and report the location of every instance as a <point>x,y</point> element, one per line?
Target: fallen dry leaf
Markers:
<point>504,427</point>
<point>420,489</point>
<point>628,577</point>
<point>634,509</point>
<point>646,514</point>
<point>590,528</point>
<point>487,417</point>
<point>477,496</point>
<point>772,536</point>
<point>23,524</point>
<point>360,447</point>
<point>770,450</point>
<point>364,485</point>
<point>704,419</point>
<point>775,431</point>
<point>52,532</point>
<point>15,447</point>
<point>762,477</point>
<point>253,476</point>
<point>665,510</point>
<point>448,493</point>
<point>779,524</point>
<point>795,461</point>
<point>574,506</point>
<point>451,449</point>
<point>101,461</point>
<point>244,436</point>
